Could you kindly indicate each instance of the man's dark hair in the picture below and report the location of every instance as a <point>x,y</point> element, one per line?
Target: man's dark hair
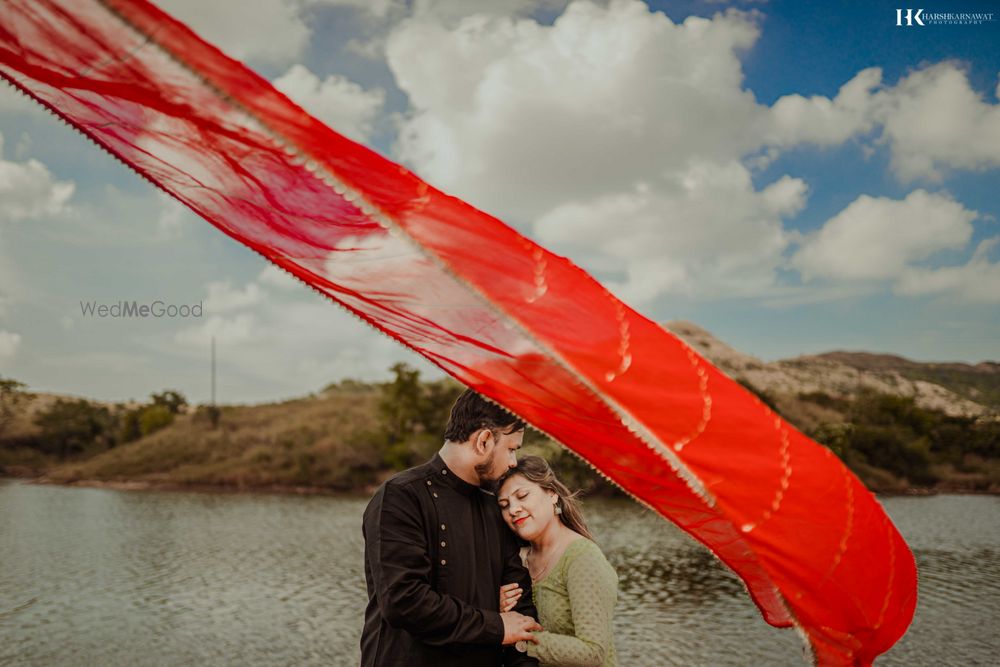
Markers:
<point>472,412</point>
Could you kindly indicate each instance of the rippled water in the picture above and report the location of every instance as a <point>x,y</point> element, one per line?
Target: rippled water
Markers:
<point>99,577</point>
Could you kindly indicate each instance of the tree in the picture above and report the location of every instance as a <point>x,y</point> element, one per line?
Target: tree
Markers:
<point>439,398</point>
<point>413,415</point>
<point>70,426</point>
<point>129,428</point>
<point>11,394</point>
<point>170,399</point>
<point>401,405</point>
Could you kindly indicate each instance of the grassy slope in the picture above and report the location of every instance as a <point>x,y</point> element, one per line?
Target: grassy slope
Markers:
<point>327,442</point>
<point>319,442</point>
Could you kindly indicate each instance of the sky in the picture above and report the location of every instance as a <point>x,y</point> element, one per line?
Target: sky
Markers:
<point>795,177</point>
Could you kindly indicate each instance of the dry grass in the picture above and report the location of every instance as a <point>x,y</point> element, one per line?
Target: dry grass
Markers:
<point>323,442</point>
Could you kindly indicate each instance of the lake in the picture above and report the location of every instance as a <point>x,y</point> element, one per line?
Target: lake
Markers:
<point>103,577</point>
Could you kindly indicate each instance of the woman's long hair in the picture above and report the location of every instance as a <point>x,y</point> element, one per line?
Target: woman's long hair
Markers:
<point>536,469</point>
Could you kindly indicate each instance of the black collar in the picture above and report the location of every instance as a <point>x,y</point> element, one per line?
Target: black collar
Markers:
<point>446,476</point>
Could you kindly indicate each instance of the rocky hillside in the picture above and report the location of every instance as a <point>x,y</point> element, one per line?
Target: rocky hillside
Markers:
<point>953,388</point>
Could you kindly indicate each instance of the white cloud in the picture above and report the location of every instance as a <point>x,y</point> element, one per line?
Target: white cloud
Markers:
<point>238,329</point>
<point>14,103</point>
<point>289,342</point>
<point>444,10</point>
<point>9,282</point>
<point>376,8</point>
<point>110,215</point>
<point>933,120</point>
<point>704,231</point>
<point>28,189</point>
<point>12,100</point>
<point>795,119</point>
<point>877,238</point>
<point>172,218</point>
<point>379,17</point>
<point>9,343</point>
<point>599,130</point>
<point>314,342</point>
<point>340,103</point>
<point>272,276</point>
<point>978,281</point>
<point>266,30</point>
<point>620,134</point>
<point>453,10</point>
<point>223,297</point>
<point>519,118</point>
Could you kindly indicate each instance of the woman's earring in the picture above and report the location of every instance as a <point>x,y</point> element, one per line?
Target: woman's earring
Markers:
<point>558,510</point>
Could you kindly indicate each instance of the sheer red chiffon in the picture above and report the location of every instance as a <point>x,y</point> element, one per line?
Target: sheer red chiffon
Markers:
<point>521,325</point>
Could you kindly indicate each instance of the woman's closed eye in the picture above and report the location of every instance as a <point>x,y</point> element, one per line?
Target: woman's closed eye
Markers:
<point>520,495</point>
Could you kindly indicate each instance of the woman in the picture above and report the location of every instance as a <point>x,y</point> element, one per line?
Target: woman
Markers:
<point>573,585</point>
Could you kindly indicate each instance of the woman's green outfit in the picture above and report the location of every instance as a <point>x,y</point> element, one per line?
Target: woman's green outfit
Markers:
<point>576,604</point>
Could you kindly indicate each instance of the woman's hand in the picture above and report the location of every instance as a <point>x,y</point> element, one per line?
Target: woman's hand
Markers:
<point>509,595</point>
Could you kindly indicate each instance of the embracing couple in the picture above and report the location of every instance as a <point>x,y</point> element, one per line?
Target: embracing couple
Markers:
<point>458,575</point>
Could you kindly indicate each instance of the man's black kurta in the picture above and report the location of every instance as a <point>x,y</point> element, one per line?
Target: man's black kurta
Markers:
<point>436,553</point>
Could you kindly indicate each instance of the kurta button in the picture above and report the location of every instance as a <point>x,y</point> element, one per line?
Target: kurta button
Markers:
<point>443,527</point>
<point>444,544</point>
<point>428,482</point>
<point>444,562</point>
<point>444,472</point>
<point>435,494</point>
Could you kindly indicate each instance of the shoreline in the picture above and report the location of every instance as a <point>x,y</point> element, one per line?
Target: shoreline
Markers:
<point>190,487</point>
<point>220,489</point>
<point>306,490</point>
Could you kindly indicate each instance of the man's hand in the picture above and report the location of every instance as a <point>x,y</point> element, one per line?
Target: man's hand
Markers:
<point>518,627</point>
<point>509,595</point>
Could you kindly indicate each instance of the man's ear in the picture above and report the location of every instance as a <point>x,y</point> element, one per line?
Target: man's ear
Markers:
<point>482,440</point>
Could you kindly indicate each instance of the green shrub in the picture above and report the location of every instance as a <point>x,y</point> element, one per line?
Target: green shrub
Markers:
<point>895,449</point>
<point>825,400</point>
<point>73,426</point>
<point>154,417</point>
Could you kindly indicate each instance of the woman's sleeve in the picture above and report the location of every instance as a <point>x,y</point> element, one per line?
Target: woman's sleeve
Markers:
<point>593,589</point>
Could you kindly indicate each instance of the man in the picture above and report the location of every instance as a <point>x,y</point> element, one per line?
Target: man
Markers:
<point>437,552</point>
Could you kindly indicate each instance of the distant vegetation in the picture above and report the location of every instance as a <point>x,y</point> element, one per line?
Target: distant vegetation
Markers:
<point>894,445</point>
<point>351,435</point>
<point>11,395</point>
<point>69,428</point>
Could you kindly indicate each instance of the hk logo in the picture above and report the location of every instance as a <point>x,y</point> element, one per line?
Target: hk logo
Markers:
<point>910,17</point>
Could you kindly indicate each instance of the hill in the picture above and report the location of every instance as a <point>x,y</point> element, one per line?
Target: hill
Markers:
<point>979,383</point>
<point>954,389</point>
<point>900,425</point>
<point>322,441</point>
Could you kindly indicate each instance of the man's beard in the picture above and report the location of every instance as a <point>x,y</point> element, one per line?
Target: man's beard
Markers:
<point>483,471</point>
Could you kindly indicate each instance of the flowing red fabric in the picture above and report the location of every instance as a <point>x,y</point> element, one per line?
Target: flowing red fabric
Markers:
<point>521,325</point>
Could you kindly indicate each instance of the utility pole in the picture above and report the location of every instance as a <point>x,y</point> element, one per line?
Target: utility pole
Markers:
<point>213,410</point>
